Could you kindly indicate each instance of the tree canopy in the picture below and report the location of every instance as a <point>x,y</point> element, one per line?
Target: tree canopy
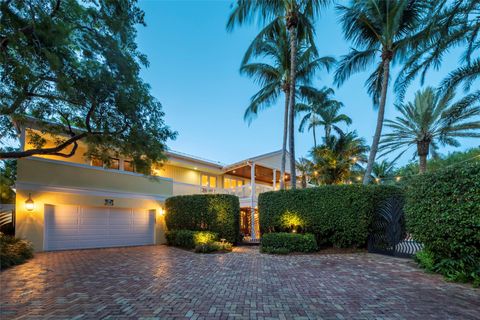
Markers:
<point>74,68</point>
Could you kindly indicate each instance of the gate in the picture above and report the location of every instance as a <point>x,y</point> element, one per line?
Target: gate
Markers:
<point>388,235</point>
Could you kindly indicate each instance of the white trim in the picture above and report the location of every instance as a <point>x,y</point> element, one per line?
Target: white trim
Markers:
<point>86,166</point>
<point>90,191</point>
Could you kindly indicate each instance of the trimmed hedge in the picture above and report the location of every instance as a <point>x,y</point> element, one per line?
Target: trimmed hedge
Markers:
<point>443,213</point>
<point>283,243</point>
<point>339,215</point>
<point>219,213</point>
<point>14,251</point>
<point>189,239</point>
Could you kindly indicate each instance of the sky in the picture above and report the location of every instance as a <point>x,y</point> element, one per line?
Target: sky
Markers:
<point>194,73</point>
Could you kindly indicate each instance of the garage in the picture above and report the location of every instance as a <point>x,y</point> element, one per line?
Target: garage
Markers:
<point>77,227</point>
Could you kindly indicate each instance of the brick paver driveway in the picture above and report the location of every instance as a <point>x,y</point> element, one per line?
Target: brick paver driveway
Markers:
<point>163,282</point>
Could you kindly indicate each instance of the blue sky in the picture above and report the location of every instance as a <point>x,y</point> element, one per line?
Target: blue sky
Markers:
<point>193,71</point>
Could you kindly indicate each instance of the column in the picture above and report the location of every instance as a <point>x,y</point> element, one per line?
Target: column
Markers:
<point>252,200</point>
<point>274,179</point>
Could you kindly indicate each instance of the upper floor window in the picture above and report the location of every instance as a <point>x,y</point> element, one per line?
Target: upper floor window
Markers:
<point>128,166</point>
<point>113,163</point>
<point>96,162</point>
<point>230,183</point>
<point>209,181</point>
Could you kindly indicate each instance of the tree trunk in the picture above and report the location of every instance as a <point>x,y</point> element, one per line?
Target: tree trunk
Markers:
<point>292,28</point>
<point>381,115</point>
<point>284,144</point>
<point>327,133</point>
<point>423,149</point>
<point>314,137</point>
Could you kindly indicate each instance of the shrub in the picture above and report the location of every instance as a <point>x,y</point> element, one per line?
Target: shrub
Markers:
<point>213,247</point>
<point>443,213</point>
<point>337,215</point>
<point>219,213</point>
<point>14,251</point>
<point>283,243</point>
<point>189,239</point>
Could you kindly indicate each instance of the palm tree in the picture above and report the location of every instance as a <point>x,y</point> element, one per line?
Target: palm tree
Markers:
<point>383,170</point>
<point>334,162</point>
<point>322,110</point>
<point>274,75</point>
<point>451,24</point>
<point>431,120</point>
<point>299,16</point>
<point>305,167</point>
<point>382,33</point>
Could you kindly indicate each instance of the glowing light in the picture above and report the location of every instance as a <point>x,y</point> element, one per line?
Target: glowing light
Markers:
<point>194,168</point>
<point>161,211</point>
<point>354,159</point>
<point>398,178</point>
<point>29,204</point>
<point>359,178</point>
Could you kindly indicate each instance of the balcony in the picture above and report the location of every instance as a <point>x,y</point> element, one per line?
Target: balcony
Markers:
<point>56,174</point>
<point>244,193</point>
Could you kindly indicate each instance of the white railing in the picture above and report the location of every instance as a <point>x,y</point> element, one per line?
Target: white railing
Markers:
<point>244,191</point>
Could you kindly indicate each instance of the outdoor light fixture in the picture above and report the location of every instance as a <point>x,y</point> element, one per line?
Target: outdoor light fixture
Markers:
<point>29,204</point>
<point>161,211</point>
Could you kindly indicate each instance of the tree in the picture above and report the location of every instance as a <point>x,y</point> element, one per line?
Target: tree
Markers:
<point>451,24</point>
<point>431,120</point>
<point>8,176</point>
<point>299,17</point>
<point>378,29</point>
<point>274,75</point>
<point>74,70</point>
<point>383,170</point>
<point>441,162</point>
<point>322,110</point>
<point>334,162</point>
<point>305,167</point>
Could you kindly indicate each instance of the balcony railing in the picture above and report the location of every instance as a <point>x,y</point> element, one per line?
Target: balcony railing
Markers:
<point>244,191</point>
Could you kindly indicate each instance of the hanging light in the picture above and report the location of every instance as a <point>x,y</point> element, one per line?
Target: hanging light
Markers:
<point>29,204</point>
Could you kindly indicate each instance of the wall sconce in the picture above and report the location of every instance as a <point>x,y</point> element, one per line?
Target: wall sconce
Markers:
<point>161,211</point>
<point>29,204</point>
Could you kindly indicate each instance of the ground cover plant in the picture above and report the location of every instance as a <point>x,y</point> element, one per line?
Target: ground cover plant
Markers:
<point>14,251</point>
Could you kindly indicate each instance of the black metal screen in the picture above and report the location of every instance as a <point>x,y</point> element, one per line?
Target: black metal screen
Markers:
<point>388,235</point>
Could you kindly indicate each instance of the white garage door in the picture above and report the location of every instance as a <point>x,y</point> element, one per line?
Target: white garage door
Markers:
<point>75,227</point>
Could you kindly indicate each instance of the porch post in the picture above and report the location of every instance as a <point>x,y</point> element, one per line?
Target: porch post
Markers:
<point>274,179</point>
<point>252,200</point>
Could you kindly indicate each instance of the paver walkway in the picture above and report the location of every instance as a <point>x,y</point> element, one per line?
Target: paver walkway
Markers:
<point>159,282</point>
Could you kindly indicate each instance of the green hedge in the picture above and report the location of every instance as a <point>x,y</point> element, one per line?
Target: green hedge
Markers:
<point>189,239</point>
<point>443,213</point>
<point>219,213</point>
<point>337,215</point>
<point>283,243</point>
<point>14,251</point>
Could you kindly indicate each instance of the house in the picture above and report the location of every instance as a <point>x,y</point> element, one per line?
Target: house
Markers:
<point>74,203</point>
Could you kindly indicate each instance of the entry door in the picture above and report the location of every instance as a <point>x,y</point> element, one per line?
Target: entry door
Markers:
<point>76,227</point>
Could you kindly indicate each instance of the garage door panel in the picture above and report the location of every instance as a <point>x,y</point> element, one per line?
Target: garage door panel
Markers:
<point>75,227</point>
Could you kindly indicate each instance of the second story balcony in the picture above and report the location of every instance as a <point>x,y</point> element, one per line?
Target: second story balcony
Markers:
<point>244,193</point>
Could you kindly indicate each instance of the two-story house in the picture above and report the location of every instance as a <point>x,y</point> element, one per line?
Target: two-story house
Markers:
<point>73,203</point>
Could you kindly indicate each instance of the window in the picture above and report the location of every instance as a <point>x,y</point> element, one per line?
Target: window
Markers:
<point>114,164</point>
<point>128,165</point>
<point>96,162</point>
<point>231,183</point>
<point>209,181</point>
